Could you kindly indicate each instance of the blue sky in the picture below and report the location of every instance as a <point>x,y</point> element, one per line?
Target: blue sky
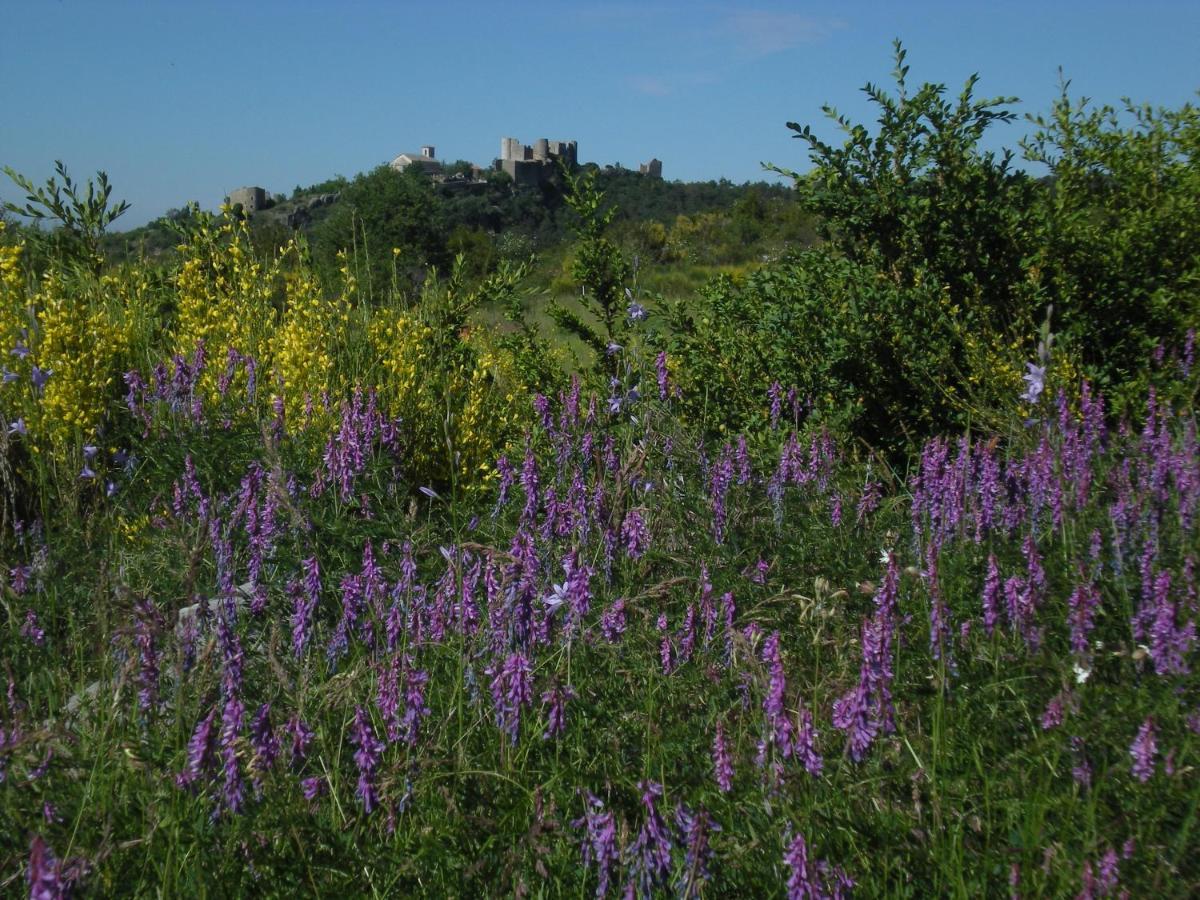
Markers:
<point>185,101</point>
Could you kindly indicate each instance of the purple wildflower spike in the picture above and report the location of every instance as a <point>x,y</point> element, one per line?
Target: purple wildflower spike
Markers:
<point>264,743</point>
<point>810,880</point>
<point>45,875</point>
<point>1143,750</point>
<point>147,620</point>
<point>694,829</point>
<point>556,716</point>
<point>612,622</point>
<point>1083,604</point>
<point>31,631</point>
<point>650,853</point>
<point>366,757</point>
<point>415,709</point>
<point>233,791</point>
<point>511,692</point>
<point>991,595</point>
<point>722,763</point>
<point>301,739</point>
<point>201,752</point>
<point>634,534</point>
<point>600,841</point>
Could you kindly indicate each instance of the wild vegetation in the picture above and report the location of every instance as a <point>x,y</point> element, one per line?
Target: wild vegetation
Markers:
<point>871,570</point>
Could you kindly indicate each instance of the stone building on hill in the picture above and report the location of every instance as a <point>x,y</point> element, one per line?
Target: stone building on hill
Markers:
<point>530,164</point>
<point>251,199</point>
<point>426,161</point>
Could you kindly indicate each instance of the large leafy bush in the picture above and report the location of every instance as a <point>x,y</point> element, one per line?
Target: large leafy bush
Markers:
<point>1119,245</point>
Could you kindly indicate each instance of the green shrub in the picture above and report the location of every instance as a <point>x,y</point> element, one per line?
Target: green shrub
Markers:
<point>1119,243</point>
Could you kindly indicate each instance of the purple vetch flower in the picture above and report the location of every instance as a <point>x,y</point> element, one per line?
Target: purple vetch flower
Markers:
<point>387,696</point>
<point>1083,604</point>
<point>650,853</point>
<point>1169,642</point>
<point>722,763</point>
<point>991,595</point>
<point>660,367</point>
<point>147,622</point>
<point>869,501</point>
<point>780,725</point>
<point>233,791</point>
<point>775,395</point>
<point>232,655</point>
<point>600,841</point>
<point>314,787</point>
<point>301,737</point>
<point>940,627</point>
<point>556,716</point>
<point>1143,750</point>
<point>529,483</point>
<point>264,743</point>
<point>634,534</point>
<point>1081,771</point>
<point>1035,382</point>
<point>720,479</point>
<point>728,612</point>
<point>47,880</point>
<point>508,477</point>
<point>201,752</point>
<point>415,681</point>
<point>806,745</point>
<point>852,713</point>
<point>39,377</point>
<point>810,880</point>
<point>665,650</point>
<point>612,622</point>
<point>1053,715</point>
<point>512,690</point>
<point>687,635</point>
<point>19,579</point>
<point>1108,872</point>
<point>304,604</point>
<point>31,631</point>
<point>1101,880</point>
<point>694,829</point>
<point>366,758</point>
<point>741,460</point>
<point>868,710</point>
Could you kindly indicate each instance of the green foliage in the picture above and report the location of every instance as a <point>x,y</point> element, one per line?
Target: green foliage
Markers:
<point>82,215</point>
<point>883,361</point>
<point>1120,248</point>
<point>599,267</point>
<point>389,223</point>
<point>919,200</point>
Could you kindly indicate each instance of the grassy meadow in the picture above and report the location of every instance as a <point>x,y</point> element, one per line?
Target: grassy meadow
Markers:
<point>869,569</point>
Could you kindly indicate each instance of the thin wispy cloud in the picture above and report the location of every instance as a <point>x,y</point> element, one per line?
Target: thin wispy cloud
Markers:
<point>665,85</point>
<point>651,85</point>
<point>759,33</point>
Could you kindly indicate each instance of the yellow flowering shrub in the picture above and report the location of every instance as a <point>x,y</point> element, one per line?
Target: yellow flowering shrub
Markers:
<point>224,299</point>
<point>10,264</point>
<point>77,345</point>
<point>455,413</point>
<point>303,349</point>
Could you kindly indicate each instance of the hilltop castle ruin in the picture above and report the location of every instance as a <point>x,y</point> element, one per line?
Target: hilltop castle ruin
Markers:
<point>530,164</point>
